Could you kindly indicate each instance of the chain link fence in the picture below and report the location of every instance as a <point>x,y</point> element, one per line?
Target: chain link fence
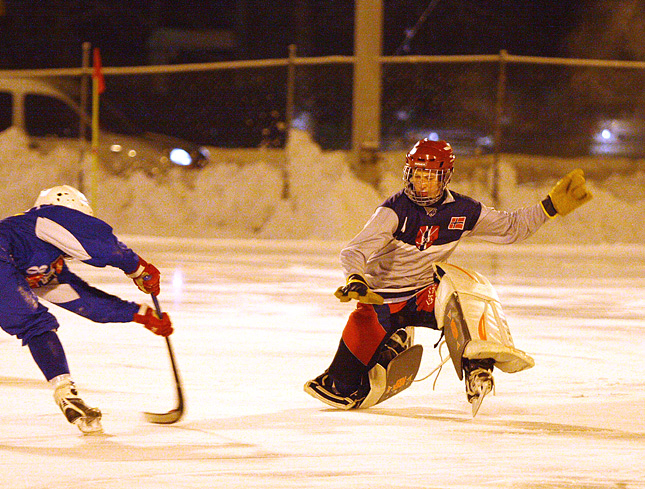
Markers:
<point>482,104</point>
<point>512,121</point>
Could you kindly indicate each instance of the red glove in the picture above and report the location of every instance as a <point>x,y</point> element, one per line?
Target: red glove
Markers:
<point>146,277</point>
<point>148,317</point>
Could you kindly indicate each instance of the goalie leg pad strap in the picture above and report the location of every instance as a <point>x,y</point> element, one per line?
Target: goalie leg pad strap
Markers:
<point>456,332</point>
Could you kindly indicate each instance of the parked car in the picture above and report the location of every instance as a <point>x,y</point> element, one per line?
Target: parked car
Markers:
<point>619,137</point>
<point>463,141</point>
<point>49,117</point>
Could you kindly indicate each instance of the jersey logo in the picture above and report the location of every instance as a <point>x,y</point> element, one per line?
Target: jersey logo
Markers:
<point>37,276</point>
<point>426,236</point>
<point>457,222</point>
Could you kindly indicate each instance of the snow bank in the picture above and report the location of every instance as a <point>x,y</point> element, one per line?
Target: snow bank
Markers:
<point>324,200</point>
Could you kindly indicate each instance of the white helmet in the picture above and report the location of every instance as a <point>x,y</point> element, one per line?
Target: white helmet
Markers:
<point>67,197</point>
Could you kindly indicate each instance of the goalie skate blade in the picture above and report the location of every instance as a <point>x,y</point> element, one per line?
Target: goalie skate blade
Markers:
<point>477,401</point>
<point>164,418</point>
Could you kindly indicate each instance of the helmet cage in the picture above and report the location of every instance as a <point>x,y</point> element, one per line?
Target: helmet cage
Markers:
<point>441,176</point>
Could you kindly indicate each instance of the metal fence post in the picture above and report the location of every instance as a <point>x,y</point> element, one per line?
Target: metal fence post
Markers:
<point>498,133</point>
<point>291,87</point>
<point>82,130</point>
<point>288,116</point>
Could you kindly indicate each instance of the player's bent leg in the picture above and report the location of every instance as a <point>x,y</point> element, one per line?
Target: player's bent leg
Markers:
<point>87,419</point>
<point>344,384</point>
<point>469,312</point>
<point>395,369</point>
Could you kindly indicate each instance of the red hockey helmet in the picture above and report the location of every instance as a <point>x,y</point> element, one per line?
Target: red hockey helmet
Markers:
<point>432,160</point>
<point>431,155</point>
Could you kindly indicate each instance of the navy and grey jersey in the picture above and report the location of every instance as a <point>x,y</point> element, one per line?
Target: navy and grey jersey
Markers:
<point>397,247</point>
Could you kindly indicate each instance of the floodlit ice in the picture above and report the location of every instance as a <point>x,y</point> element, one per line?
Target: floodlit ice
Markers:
<point>256,318</point>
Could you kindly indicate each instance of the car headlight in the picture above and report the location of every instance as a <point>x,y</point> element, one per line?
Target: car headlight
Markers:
<point>180,157</point>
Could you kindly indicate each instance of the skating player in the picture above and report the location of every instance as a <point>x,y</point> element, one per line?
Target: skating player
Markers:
<point>390,267</point>
<point>33,248</point>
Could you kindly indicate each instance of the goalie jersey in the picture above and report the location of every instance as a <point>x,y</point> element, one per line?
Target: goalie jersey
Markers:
<point>400,242</point>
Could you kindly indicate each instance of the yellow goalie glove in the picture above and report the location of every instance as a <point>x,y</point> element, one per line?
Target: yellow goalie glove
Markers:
<point>357,288</point>
<point>568,194</point>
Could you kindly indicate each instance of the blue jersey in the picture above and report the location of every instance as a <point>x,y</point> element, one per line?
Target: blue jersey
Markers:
<point>33,249</point>
<point>40,238</point>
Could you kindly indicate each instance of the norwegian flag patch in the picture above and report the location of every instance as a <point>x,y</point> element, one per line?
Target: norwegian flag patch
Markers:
<point>457,222</point>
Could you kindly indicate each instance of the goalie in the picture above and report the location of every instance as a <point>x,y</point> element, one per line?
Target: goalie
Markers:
<point>394,269</point>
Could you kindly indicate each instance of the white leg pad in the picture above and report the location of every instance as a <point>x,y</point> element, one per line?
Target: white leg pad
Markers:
<point>487,333</point>
<point>507,358</point>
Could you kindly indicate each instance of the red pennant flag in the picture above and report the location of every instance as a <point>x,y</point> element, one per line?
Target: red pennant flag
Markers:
<point>97,73</point>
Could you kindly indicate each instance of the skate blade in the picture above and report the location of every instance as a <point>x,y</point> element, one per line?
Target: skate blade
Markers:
<point>477,401</point>
<point>89,426</point>
<point>344,403</point>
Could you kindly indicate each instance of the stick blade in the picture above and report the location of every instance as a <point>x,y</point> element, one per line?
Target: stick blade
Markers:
<point>164,418</point>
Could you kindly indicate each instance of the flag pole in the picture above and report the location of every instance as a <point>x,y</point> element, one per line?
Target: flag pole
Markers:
<point>98,86</point>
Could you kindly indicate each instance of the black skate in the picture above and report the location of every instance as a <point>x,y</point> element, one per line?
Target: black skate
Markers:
<point>324,389</point>
<point>396,344</point>
<point>86,418</point>
<point>479,382</point>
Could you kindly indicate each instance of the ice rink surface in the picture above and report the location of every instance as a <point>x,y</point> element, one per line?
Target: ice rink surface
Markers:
<point>256,319</point>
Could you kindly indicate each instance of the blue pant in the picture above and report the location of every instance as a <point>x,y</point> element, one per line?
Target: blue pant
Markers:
<point>23,316</point>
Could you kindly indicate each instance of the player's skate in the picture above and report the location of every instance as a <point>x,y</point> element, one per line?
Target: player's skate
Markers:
<point>479,382</point>
<point>86,418</point>
<point>325,389</point>
<point>401,340</point>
